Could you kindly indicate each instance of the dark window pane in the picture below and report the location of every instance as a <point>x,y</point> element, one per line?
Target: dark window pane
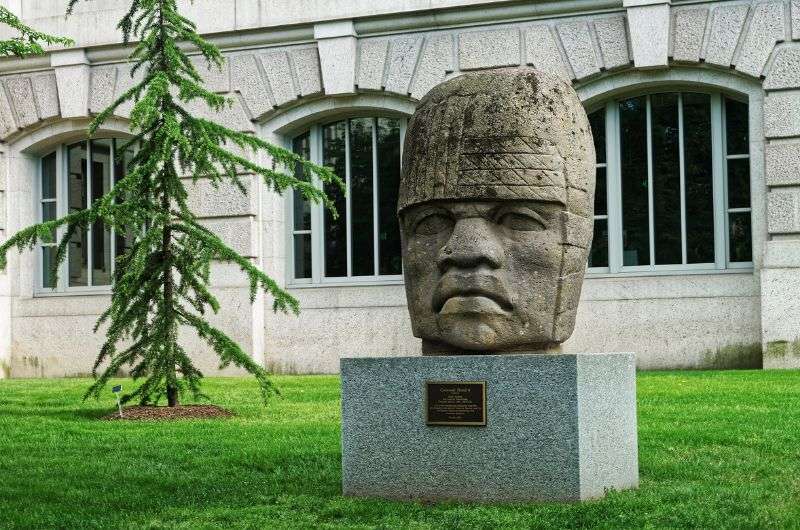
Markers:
<point>122,161</point>
<point>388,186</point>
<point>302,208</point>
<point>122,164</point>
<point>49,176</point>
<point>666,179</point>
<point>101,237</point>
<point>598,256</point>
<point>49,214</point>
<point>601,193</point>
<point>741,245</point>
<point>124,242</point>
<point>736,127</point>
<point>597,120</point>
<point>48,211</point>
<point>699,178</point>
<point>48,267</point>
<point>361,200</point>
<point>333,156</point>
<point>302,256</point>
<point>739,183</point>
<point>77,200</point>
<point>633,161</point>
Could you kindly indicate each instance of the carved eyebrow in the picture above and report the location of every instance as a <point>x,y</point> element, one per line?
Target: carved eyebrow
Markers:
<point>518,208</point>
<point>413,218</point>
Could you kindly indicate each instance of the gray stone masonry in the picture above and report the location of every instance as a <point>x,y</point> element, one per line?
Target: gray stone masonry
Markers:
<point>559,428</point>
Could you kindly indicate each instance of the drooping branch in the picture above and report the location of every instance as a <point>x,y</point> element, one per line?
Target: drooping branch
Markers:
<point>29,41</point>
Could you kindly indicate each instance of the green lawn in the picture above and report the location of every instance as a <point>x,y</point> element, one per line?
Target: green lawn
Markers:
<point>717,449</point>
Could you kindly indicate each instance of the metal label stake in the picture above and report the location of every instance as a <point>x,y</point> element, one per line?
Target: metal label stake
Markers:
<point>117,390</point>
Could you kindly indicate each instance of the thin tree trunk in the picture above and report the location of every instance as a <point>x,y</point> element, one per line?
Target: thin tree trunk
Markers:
<point>173,399</point>
<point>169,300</point>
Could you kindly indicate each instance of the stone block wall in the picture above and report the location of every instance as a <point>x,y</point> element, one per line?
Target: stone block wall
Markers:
<point>325,68</point>
<point>780,277</point>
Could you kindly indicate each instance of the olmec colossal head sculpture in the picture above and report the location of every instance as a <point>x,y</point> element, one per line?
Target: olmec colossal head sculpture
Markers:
<point>496,212</point>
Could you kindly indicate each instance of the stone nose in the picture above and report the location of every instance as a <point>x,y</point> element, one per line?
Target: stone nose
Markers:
<point>472,244</point>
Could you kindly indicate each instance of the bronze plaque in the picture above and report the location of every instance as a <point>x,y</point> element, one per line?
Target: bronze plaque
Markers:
<point>459,403</point>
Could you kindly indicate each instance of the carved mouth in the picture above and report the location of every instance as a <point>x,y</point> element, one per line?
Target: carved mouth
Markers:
<point>470,300</point>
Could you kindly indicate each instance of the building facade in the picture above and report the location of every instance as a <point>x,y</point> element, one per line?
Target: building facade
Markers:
<point>694,106</point>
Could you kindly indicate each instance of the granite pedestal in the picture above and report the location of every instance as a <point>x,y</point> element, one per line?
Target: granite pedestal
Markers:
<point>558,428</point>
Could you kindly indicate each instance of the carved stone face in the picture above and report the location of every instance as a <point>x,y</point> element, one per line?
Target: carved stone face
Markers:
<point>496,206</point>
<point>484,273</point>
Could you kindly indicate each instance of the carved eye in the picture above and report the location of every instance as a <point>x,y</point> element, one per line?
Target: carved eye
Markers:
<point>433,224</point>
<point>520,221</point>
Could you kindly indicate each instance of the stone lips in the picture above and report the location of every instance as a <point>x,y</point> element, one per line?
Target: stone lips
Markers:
<point>502,134</point>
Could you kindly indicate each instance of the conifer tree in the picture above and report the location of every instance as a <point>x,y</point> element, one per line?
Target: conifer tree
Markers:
<point>29,41</point>
<point>162,281</point>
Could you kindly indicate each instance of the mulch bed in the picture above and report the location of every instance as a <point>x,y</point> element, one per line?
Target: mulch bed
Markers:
<point>184,412</point>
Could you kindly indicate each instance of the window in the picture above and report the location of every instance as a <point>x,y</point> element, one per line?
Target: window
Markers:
<point>72,178</point>
<point>673,183</point>
<point>363,242</point>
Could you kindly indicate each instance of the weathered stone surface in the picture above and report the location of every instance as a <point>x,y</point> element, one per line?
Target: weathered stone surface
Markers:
<point>559,427</point>
<point>726,26</point>
<point>613,40</point>
<point>104,83</point>
<point>372,63</point>
<point>543,53</point>
<point>124,83</point>
<point>577,42</point>
<point>2,210</point>
<point>239,233</point>
<point>782,211</point>
<point>782,114</point>
<point>247,79</point>
<point>232,116</point>
<point>689,27</point>
<point>436,61</point>
<point>8,124</point>
<point>796,19</point>
<point>338,63</point>
<point>782,254</point>
<point>279,75</point>
<point>224,201</point>
<point>216,79</point>
<point>785,69</point>
<point>487,49</point>
<point>648,26</point>
<point>45,92</point>
<point>477,143</point>
<point>20,92</point>
<point>403,54</point>
<point>780,308</point>
<point>306,69</point>
<point>73,90</point>
<point>3,171</point>
<point>766,28</point>
<point>783,164</point>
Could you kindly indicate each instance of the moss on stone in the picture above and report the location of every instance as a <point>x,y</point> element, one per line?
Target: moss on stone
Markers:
<point>777,349</point>
<point>734,356</point>
<point>5,370</point>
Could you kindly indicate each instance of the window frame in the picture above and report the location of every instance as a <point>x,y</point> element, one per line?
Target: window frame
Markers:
<point>722,263</point>
<point>318,277</point>
<point>62,287</point>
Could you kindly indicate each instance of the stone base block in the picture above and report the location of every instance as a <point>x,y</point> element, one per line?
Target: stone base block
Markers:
<point>558,428</point>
